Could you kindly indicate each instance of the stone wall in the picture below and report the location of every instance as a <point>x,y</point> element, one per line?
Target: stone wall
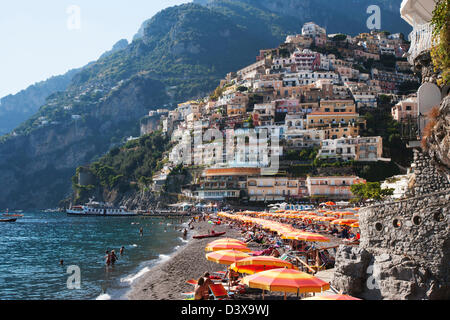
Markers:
<point>404,251</point>
<point>427,178</point>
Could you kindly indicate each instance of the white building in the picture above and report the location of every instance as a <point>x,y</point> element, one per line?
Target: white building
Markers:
<point>313,30</point>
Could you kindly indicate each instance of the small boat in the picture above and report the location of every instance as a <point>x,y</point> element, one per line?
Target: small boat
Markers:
<point>8,220</point>
<point>12,215</point>
<point>213,235</point>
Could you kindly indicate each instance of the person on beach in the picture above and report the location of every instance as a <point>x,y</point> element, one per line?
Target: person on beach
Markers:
<point>199,291</point>
<point>185,232</point>
<point>207,279</point>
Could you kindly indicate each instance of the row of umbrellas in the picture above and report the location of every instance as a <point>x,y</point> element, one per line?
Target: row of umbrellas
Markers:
<point>266,273</point>
<point>286,231</point>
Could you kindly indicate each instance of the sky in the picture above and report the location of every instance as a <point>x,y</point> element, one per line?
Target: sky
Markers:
<point>44,38</point>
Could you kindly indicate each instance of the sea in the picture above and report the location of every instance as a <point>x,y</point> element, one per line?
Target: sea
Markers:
<point>32,247</point>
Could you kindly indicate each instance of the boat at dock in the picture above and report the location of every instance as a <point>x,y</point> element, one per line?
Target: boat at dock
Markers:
<point>100,209</point>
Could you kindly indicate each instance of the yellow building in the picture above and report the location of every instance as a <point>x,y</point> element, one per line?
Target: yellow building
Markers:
<point>337,106</point>
<point>325,119</point>
<point>272,188</point>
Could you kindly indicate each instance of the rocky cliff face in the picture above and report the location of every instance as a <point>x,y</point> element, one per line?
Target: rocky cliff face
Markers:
<point>438,142</point>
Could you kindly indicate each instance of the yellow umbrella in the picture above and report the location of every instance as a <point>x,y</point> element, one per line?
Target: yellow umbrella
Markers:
<point>253,265</point>
<point>227,257</point>
<point>218,246</point>
<point>286,280</point>
<point>305,236</point>
<point>228,240</point>
<point>355,225</point>
<point>345,222</point>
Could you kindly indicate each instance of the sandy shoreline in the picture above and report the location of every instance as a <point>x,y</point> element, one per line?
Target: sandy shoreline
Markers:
<point>167,280</point>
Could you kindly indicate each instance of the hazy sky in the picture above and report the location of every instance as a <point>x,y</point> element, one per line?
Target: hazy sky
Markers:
<point>43,38</point>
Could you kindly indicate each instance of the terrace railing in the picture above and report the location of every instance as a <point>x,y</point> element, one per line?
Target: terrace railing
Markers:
<point>421,40</point>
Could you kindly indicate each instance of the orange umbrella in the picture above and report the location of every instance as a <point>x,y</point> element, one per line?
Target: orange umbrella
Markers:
<point>355,225</point>
<point>345,222</point>
<point>305,236</point>
<point>217,246</point>
<point>286,280</point>
<point>254,265</point>
<point>330,203</point>
<point>333,297</point>
<point>228,240</point>
<point>227,257</point>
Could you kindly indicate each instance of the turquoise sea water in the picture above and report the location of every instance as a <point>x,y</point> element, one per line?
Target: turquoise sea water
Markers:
<point>31,248</point>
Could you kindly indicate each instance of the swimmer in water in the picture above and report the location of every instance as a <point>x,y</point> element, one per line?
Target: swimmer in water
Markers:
<point>141,231</point>
<point>108,258</point>
<point>121,250</point>
<point>61,262</point>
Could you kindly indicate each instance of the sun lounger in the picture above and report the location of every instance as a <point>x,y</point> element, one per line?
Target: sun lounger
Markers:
<point>219,275</point>
<point>192,281</point>
<point>188,295</point>
<point>219,292</point>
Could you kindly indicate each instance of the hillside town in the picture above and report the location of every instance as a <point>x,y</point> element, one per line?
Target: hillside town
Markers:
<point>304,97</point>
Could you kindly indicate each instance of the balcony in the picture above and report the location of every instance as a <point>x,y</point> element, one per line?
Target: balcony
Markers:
<point>421,40</point>
<point>418,13</point>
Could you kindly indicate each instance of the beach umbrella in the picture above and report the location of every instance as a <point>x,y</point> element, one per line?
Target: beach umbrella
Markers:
<point>218,246</point>
<point>305,236</point>
<point>227,257</point>
<point>333,297</point>
<point>261,263</point>
<point>330,203</point>
<point>285,280</point>
<point>355,225</point>
<point>228,240</point>
<point>266,261</point>
<point>344,222</point>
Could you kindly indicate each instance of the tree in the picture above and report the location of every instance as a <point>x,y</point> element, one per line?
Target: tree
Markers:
<point>370,190</point>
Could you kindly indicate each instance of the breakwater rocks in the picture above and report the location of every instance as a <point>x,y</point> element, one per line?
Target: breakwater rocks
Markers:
<point>404,251</point>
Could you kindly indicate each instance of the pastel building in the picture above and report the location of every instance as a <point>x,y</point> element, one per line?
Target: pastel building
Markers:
<point>332,187</point>
<point>405,109</point>
<point>272,188</point>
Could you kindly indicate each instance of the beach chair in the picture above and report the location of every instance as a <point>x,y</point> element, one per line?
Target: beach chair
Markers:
<point>188,295</point>
<point>192,282</point>
<point>219,292</point>
<point>219,275</point>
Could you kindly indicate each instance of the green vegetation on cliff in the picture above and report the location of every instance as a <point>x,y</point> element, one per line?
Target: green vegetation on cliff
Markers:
<point>125,168</point>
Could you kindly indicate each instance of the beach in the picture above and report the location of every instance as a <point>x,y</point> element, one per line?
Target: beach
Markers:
<point>167,280</point>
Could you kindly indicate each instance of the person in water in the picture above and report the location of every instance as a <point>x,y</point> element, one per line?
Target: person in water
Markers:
<point>61,262</point>
<point>121,250</point>
<point>113,257</point>
<point>108,258</point>
<point>184,232</point>
<point>141,231</point>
